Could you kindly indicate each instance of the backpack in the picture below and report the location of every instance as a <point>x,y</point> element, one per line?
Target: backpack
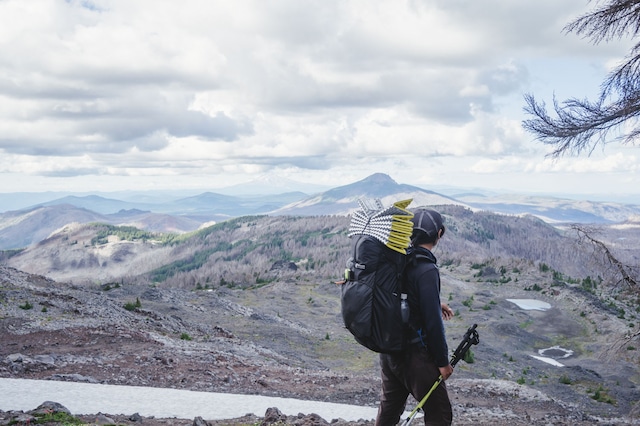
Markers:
<point>372,291</point>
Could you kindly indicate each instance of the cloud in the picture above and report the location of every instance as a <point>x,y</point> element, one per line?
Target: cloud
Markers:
<point>204,87</point>
<point>606,163</point>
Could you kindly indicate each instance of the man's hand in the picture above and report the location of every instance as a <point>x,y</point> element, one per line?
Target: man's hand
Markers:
<point>446,371</point>
<point>447,312</point>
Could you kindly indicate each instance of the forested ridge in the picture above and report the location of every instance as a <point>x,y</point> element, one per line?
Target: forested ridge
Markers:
<point>252,251</point>
<point>255,250</point>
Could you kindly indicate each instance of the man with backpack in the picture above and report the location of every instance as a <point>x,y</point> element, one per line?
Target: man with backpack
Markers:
<point>426,357</point>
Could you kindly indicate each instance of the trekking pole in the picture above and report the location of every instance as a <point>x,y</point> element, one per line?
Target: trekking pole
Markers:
<point>470,338</point>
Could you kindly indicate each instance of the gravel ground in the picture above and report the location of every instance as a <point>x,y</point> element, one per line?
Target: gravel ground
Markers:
<point>71,334</point>
<point>114,357</point>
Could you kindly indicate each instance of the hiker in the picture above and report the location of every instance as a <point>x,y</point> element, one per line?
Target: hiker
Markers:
<point>416,369</point>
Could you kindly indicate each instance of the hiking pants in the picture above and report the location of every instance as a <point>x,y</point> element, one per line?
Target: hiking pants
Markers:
<point>412,372</point>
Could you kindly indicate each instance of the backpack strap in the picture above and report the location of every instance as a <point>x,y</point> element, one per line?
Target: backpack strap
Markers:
<point>414,257</point>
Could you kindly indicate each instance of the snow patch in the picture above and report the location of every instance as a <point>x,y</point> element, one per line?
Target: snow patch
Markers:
<point>88,398</point>
<point>531,304</point>
<point>548,360</point>
<point>556,352</point>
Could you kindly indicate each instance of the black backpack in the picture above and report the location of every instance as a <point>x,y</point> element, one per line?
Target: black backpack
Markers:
<point>371,295</point>
<point>372,291</point>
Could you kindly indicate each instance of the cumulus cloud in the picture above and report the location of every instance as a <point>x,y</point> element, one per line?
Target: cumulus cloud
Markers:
<point>121,87</point>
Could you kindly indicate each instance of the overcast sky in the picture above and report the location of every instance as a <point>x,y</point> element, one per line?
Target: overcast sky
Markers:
<point>149,94</point>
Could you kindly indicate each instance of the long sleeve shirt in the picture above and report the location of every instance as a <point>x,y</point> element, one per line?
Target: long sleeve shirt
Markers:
<point>423,294</point>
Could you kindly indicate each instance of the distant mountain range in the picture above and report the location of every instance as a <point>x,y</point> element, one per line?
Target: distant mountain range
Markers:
<point>170,212</point>
<point>343,200</point>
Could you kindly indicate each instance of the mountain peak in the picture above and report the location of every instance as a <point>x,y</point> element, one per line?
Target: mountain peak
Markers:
<point>379,178</point>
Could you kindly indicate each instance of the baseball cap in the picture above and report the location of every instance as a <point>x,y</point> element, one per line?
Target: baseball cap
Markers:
<point>428,221</point>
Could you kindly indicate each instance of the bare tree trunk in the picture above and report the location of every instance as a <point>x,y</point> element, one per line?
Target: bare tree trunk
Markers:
<point>622,269</point>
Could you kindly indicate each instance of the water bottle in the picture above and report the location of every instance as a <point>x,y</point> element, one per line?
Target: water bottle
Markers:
<point>404,308</point>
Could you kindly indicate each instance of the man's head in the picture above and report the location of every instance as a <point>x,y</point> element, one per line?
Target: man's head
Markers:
<point>428,227</point>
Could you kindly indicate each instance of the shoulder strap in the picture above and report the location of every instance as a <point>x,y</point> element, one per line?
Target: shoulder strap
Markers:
<point>415,256</point>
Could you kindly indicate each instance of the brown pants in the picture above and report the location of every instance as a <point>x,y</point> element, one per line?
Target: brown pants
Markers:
<point>412,372</point>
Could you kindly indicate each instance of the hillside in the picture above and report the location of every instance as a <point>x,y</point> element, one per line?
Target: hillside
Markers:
<point>267,282</point>
<point>255,249</point>
<point>285,339</point>
<point>19,229</point>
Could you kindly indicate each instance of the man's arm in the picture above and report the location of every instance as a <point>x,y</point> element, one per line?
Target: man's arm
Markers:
<point>431,310</point>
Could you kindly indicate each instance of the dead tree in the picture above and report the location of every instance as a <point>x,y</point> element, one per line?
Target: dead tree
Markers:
<point>623,273</point>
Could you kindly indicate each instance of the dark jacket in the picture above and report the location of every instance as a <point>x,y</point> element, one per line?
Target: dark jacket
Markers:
<point>423,294</point>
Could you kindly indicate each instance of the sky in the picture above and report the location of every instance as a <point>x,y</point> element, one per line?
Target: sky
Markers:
<point>110,95</point>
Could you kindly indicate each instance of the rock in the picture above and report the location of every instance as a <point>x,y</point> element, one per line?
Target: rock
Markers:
<point>102,419</point>
<point>310,420</point>
<point>16,358</point>
<point>50,407</point>
<point>20,418</point>
<point>199,421</point>
<point>75,378</point>
<point>273,415</point>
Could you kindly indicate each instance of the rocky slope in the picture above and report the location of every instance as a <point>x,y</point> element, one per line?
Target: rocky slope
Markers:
<point>232,341</point>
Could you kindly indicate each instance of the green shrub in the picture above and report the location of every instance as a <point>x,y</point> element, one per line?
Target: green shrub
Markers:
<point>26,306</point>
<point>129,306</point>
<point>57,418</point>
<point>600,395</point>
<point>565,380</point>
<point>132,306</point>
<point>185,336</point>
<point>469,357</point>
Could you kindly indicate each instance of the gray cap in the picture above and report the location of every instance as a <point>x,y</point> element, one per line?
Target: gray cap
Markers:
<point>428,221</point>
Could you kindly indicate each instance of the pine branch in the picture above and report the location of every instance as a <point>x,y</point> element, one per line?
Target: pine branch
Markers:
<point>581,125</point>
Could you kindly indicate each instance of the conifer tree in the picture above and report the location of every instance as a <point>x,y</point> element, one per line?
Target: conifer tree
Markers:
<point>579,124</point>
